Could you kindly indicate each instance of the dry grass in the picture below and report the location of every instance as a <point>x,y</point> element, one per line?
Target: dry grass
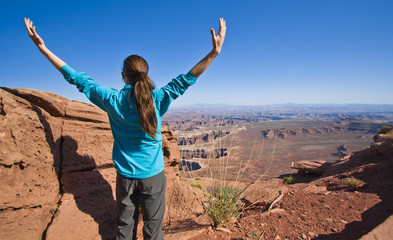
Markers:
<point>224,195</point>
<point>223,205</point>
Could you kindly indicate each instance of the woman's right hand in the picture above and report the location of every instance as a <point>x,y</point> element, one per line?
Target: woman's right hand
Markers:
<point>55,60</point>
<point>34,35</point>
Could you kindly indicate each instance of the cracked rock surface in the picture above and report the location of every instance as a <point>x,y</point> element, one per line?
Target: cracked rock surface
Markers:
<point>56,172</point>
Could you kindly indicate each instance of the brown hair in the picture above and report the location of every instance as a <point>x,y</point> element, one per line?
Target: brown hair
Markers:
<point>135,69</point>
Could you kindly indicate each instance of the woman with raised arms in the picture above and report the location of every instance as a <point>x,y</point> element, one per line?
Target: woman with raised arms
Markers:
<point>135,113</point>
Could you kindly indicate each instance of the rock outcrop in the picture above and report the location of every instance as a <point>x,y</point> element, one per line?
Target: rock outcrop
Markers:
<point>202,153</point>
<point>317,167</point>
<point>57,174</point>
<point>202,137</point>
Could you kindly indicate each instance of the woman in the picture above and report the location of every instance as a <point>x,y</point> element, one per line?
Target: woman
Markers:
<point>135,115</point>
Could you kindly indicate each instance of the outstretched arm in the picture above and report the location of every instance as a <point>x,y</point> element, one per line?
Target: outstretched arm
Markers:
<point>218,40</point>
<point>56,61</point>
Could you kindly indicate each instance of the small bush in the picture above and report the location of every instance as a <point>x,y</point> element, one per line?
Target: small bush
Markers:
<point>197,185</point>
<point>288,180</point>
<point>223,204</point>
<point>253,234</point>
<point>353,182</point>
<point>384,130</point>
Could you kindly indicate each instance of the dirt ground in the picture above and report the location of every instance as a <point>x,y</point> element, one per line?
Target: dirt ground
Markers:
<point>323,208</point>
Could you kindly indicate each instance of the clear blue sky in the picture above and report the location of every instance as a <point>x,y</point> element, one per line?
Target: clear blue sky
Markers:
<point>276,51</point>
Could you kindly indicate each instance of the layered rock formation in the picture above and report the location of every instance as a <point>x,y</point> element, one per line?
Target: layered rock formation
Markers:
<point>202,138</point>
<point>341,127</point>
<point>202,153</point>
<point>285,132</point>
<point>191,121</point>
<point>56,171</point>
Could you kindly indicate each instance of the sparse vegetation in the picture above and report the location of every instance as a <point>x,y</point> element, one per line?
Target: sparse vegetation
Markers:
<point>288,180</point>
<point>197,185</point>
<point>253,234</point>
<point>353,182</point>
<point>223,205</point>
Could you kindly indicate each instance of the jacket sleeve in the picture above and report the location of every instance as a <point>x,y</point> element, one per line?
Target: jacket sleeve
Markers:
<point>173,90</point>
<point>96,93</point>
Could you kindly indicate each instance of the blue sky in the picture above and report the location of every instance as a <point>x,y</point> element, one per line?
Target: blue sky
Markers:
<point>275,51</point>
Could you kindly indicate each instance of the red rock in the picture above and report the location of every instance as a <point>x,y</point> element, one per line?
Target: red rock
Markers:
<point>29,183</point>
<point>45,138</point>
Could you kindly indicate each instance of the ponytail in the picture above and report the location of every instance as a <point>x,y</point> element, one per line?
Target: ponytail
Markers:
<point>135,68</point>
<point>144,104</point>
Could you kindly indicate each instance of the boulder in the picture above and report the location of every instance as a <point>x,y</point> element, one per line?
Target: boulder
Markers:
<point>317,167</point>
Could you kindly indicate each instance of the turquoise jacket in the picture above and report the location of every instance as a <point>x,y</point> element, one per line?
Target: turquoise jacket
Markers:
<point>135,154</point>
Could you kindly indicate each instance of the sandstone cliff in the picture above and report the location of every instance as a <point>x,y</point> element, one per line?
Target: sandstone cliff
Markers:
<point>56,171</point>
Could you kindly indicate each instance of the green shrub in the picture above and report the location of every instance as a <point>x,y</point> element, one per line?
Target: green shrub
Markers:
<point>288,180</point>
<point>353,182</point>
<point>197,185</point>
<point>223,204</point>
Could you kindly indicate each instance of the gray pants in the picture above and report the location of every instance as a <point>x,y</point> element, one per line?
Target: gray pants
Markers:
<point>149,193</point>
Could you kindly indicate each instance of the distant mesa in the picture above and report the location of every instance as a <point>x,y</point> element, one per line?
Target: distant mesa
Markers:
<point>285,132</point>
<point>201,138</point>
<point>189,166</point>
<point>201,153</point>
<point>327,129</point>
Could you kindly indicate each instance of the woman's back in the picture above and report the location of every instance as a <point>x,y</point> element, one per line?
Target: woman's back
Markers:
<point>135,114</point>
<point>135,153</point>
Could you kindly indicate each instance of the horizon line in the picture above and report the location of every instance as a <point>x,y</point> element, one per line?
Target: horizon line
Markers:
<point>276,104</point>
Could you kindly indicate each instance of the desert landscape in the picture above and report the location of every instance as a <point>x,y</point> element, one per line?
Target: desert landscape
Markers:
<point>58,179</point>
<point>236,135</point>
